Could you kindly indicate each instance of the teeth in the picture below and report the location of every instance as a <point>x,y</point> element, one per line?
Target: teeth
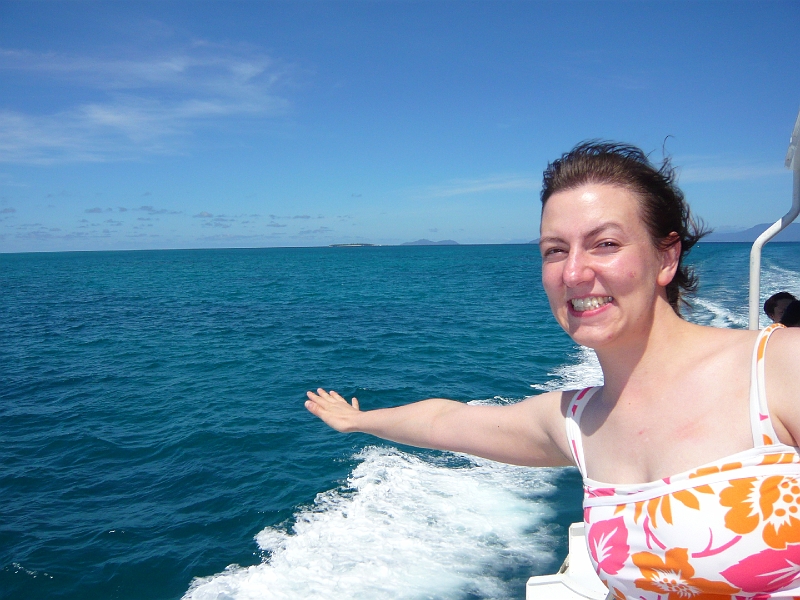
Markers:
<point>582,304</point>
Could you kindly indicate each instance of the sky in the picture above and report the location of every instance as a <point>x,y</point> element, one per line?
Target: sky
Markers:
<point>203,124</point>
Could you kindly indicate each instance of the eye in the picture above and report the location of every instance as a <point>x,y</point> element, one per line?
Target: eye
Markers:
<point>608,245</point>
<point>553,254</point>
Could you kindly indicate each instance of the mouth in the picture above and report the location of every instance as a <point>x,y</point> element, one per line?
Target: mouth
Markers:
<point>591,303</point>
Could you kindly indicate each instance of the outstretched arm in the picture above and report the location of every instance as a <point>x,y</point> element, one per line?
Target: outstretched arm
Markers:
<point>530,432</point>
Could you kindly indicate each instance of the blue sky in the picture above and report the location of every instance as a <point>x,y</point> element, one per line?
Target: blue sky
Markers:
<point>127,125</point>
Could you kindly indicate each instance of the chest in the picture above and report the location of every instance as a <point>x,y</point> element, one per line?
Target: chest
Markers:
<point>670,432</point>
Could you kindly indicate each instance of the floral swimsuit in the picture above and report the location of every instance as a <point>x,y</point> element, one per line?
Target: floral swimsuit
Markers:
<point>730,528</point>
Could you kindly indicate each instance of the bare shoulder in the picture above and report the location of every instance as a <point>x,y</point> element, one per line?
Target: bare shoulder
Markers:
<point>782,377</point>
<point>724,349</point>
<point>717,336</point>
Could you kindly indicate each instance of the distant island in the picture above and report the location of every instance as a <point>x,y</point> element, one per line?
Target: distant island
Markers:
<point>790,234</point>
<point>424,242</point>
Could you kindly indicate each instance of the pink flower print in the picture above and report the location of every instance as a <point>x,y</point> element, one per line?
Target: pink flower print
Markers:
<point>608,545</point>
<point>768,571</point>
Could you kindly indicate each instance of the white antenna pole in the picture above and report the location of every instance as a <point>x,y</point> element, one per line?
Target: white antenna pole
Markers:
<point>793,163</point>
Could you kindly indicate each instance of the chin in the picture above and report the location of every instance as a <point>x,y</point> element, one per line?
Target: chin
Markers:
<point>587,336</point>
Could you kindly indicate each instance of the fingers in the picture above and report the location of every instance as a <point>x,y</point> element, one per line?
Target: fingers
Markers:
<point>322,397</point>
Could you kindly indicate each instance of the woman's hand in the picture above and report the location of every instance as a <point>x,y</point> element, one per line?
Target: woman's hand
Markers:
<point>334,410</point>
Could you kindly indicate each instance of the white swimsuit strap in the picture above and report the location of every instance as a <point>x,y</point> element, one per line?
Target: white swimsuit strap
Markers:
<point>760,423</point>
<point>573,424</point>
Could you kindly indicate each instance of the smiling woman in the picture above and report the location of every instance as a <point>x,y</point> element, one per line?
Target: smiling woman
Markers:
<point>689,470</point>
<point>598,264</point>
<point>662,208</point>
<point>612,213</point>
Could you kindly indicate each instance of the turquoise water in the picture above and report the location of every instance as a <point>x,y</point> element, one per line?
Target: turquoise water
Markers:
<point>154,444</point>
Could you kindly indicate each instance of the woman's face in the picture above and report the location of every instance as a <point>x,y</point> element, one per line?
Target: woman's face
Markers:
<point>600,270</point>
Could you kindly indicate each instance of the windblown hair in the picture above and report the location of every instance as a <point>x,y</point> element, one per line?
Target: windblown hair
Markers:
<point>664,210</point>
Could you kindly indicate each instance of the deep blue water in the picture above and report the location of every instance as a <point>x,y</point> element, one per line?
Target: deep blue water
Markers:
<point>152,429</point>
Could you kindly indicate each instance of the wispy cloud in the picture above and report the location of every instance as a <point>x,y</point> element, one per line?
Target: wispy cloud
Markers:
<point>460,187</point>
<point>140,106</point>
<point>318,231</point>
<point>276,217</point>
<point>151,210</point>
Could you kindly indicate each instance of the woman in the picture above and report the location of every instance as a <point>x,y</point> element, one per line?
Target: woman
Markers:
<point>676,399</point>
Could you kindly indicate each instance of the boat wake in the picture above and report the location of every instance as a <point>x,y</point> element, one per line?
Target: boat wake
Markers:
<point>405,526</point>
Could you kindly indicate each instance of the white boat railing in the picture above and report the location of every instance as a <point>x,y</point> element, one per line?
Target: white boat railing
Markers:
<point>575,580</point>
<point>793,163</point>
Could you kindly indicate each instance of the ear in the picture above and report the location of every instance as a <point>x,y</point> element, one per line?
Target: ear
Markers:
<point>670,255</point>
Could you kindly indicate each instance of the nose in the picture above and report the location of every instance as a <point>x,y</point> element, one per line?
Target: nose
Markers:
<point>577,269</point>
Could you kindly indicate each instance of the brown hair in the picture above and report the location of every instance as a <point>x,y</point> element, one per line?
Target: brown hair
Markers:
<point>664,210</point>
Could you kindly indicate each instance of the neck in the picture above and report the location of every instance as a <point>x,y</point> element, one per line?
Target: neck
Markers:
<point>634,364</point>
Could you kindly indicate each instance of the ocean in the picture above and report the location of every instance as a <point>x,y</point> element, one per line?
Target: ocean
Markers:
<point>154,443</point>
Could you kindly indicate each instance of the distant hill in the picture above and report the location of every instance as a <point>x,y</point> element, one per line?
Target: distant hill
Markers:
<point>430,243</point>
<point>790,234</point>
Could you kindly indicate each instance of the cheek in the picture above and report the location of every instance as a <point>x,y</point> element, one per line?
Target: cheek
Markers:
<point>551,280</point>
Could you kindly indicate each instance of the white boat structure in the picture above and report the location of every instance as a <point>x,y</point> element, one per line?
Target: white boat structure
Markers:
<point>577,579</point>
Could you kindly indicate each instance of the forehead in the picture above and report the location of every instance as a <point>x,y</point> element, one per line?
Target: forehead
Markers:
<point>590,205</point>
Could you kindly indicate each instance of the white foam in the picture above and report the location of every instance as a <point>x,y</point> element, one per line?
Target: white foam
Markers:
<point>582,371</point>
<point>402,527</point>
<point>715,314</point>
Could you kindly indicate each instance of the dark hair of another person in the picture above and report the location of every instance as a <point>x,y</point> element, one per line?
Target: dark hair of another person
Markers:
<point>663,207</point>
<point>772,302</point>
<point>791,316</point>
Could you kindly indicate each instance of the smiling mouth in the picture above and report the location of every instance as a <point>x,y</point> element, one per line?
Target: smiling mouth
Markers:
<point>583,304</point>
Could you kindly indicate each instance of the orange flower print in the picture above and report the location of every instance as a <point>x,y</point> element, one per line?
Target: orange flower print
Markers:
<point>662,505</point>
<point>673,577</point>
<point>653,505</point>
<point>776,504</point>
<point>706,489</point>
